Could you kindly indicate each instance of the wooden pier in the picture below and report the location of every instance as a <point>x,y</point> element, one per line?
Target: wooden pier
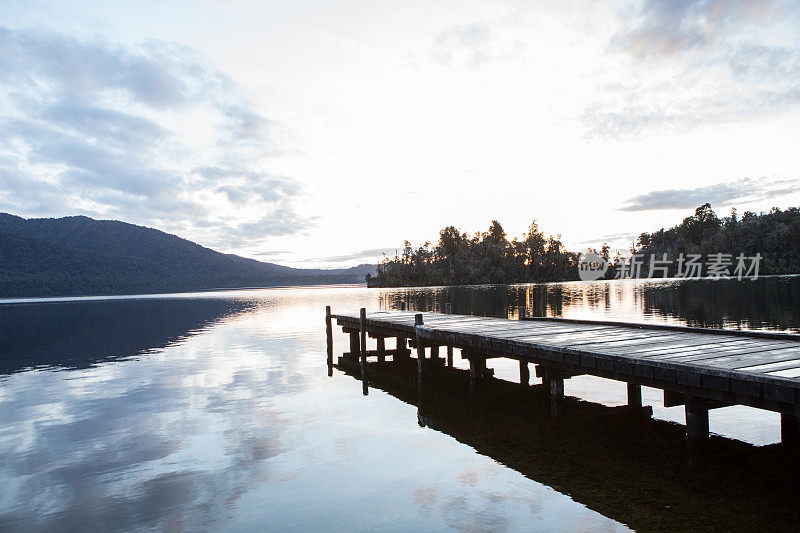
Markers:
<point>701,369</point>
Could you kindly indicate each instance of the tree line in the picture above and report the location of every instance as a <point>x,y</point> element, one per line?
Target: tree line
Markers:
<point>775,235</point>
<point>485,257</point>
<point>490,258</point>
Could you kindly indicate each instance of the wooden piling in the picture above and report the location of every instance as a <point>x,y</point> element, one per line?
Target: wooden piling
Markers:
<point>450,356</point>
<point>381,349</point>
<point>556,396</point>
<point>696,418</point>
<point>524,373</point>
<point>634,396</point>
<point>434,352</point>
<point>477,370</point>
<point>354,344</point>
<point>401,349</point>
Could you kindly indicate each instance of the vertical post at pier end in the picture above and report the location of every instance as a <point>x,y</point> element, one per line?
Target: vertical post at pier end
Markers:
<point>329,334</point>
<point>363,344</point>
<point>524,373</point>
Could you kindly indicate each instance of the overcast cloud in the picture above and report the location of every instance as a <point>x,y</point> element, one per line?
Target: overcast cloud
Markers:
<point>720,194</point>
<point>692,64</point>
<point>89,129</point>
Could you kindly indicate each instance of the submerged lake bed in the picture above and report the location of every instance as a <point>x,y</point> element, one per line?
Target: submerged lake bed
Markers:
<point>216,411</point>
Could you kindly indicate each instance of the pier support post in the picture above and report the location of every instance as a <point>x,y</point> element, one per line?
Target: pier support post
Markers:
<point>521,312</point>
<point>524,373</point>
<point>556,395</point>
<point>354,344</point>
<point>634,396</point>
<point>790,430</point>
<point>381,349</point>
<point>363,344</point>
<point>450,356</point>
<point>401,350</point>
<point>448,308</point>
<point>696,418</point>
<point>420,351</point>
<point>435,353</point>
<point>477,369</point>
<point>329,333</point>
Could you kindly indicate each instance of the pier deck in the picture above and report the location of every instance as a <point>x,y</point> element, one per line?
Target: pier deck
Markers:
<point>698,368</point>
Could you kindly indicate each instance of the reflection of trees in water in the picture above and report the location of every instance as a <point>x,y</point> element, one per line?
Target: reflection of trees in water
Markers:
<point>764,303</point>
<point>80,334</point>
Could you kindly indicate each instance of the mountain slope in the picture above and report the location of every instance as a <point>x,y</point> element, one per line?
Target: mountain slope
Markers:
<point>80,255</point>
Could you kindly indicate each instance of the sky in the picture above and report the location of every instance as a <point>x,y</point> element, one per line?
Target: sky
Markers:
<point>324,134</point>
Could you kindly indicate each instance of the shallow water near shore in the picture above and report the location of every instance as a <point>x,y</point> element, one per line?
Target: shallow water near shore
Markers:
<point>215,411</point>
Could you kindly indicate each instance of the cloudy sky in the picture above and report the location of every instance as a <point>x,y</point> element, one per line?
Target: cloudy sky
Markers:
<point>324,133</point>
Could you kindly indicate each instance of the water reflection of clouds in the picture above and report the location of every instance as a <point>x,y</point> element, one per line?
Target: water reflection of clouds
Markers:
<point>236,427</point>
<point>142,415</point>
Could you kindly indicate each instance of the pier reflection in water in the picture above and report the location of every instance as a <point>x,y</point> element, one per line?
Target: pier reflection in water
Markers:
<point>615,460</point>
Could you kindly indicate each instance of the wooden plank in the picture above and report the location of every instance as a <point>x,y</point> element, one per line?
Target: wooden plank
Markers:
<point>665,327</point>
<point>687,342</point>
<point>705,350</point>
<point>722,351</point>
<point>766,367</point>
<point>735,361</point>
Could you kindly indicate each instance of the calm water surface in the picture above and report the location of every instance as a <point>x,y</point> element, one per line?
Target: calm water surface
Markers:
<point>215,411</point>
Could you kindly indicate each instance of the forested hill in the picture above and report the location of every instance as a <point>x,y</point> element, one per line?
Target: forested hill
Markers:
<point>82,256</point>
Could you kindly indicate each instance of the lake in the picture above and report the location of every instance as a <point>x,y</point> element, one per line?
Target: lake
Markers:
<point>216,411</point>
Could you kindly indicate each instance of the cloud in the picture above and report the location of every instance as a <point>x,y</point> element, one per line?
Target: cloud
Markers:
<point>608,238</point>
<point>148,134</point>
<point>742,191</point>
<point>692,64</point>
<point>665,28</point>
<point>476,44</point>
<point>470,39</point>
<point>372,253</point>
